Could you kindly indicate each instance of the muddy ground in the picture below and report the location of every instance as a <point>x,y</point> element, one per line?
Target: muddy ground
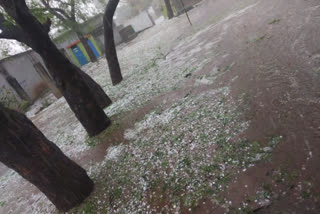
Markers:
<point>220,117</point>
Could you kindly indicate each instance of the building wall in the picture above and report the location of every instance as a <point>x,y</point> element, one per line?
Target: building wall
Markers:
<point>139,22</point>
<point>178,7</point>
<point>21,68</point>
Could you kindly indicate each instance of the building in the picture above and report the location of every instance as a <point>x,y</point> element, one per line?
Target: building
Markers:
<point>180,5</point>
<point>25,77</point>
<point>69,43</point>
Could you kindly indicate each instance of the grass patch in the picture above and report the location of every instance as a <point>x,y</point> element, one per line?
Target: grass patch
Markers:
<point>2,203</point>
<point>103,136</point>
<point>261,38</point>
<point>191,153</point>
<point>275,21</point>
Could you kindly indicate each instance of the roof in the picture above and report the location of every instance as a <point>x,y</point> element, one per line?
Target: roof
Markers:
<point>16,56</point>
<point>76,42</point>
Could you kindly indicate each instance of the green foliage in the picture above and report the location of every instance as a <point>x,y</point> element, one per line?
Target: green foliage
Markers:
<point>275,21</point>
<point>65,17</point>
<point>9,100</point>
<point>89,208</point>
<point>40,13</point>
<point>2,203</point>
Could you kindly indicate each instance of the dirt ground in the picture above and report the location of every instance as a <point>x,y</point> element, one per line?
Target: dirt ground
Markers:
<point>220,117</point>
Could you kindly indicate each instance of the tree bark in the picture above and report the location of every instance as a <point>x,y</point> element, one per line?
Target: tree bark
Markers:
<point>100,96</point>
<point>26,150</point>
<point>87,47</point>
<point>96,90</point>
<point>169,9</point>
<point>109,44</point>
<point>45,76</point>
<point>67,76</point>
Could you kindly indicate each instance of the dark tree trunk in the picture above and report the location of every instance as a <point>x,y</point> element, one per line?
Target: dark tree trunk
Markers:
<point>89,51</point>
<point>26,150</point>
<point>169,9</point>
<point>100,96</point>
<point>45,76</point>
<point>96,90</point>
<point>67,76</point>
<point>109,44</point>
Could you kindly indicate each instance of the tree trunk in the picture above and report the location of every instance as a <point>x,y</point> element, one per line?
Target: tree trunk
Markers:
<point>109,44</point>
<point>45,76</point>
<point>26,150</point>
<point>96,90</point>
<point>169,9</point>
<point>67,76</point>
<point>89,51</point>
<point>100,96</point>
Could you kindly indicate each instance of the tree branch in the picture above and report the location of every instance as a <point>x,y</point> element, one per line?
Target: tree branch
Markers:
<point>14,33</point>
<point>73,11</point>
<point>58,12</point>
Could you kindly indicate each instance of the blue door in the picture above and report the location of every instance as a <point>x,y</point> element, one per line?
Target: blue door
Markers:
<point>96,53</point>
<point>79,55</point>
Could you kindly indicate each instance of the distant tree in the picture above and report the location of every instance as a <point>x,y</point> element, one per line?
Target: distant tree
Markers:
<point>169,9</point>
<point>110,48</point>
<point>69,14</point>
<point>18,23</point>
<point>26,150</point>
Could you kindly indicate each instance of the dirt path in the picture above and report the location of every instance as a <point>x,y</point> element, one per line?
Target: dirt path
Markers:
<point>274,50</point>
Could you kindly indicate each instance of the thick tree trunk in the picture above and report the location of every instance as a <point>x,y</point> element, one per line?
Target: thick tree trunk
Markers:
<point>96,90</point>
<point>109,44</point>
<point>169,9</point>
<point>45,76</point>
<point>26,150</point>
<point>100,96</point>
<point>89,51</point>
<point>67,76</point>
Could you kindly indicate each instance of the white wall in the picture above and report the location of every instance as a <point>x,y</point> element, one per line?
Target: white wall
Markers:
<point>139,22</point>
<point>21,68</point>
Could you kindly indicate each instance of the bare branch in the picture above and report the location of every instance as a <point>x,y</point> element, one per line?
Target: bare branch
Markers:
<point>14,33</point>
<point>58,12</point>
<point>73,11</point>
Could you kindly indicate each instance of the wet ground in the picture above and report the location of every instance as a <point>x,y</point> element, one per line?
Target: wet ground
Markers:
<point>220,117</point>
